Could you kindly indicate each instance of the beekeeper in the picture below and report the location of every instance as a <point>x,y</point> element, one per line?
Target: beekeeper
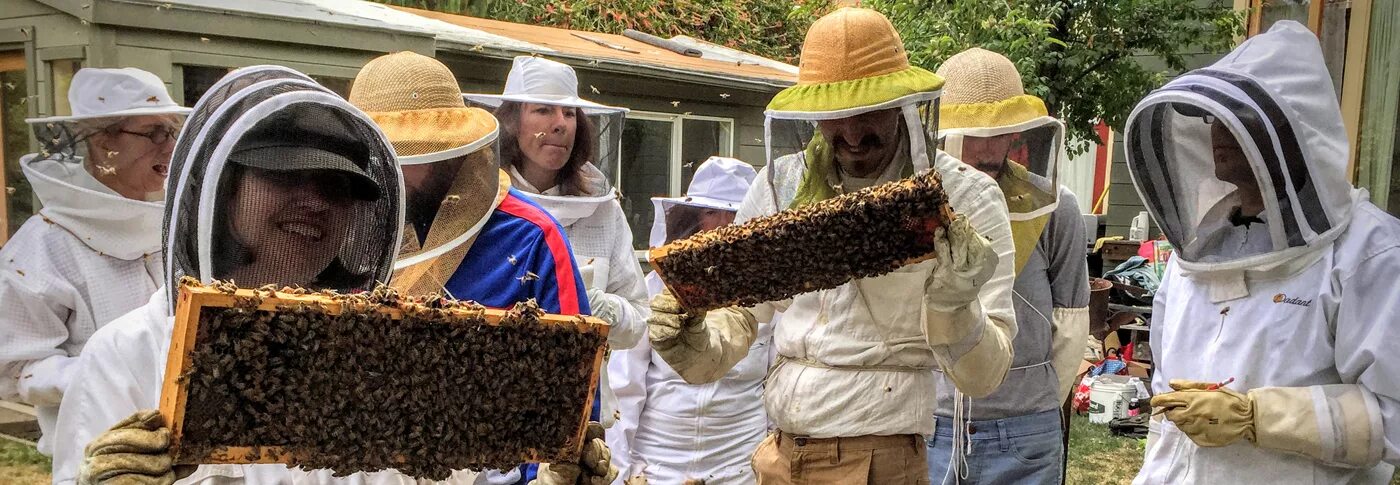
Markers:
<point>1015,435</point>
<point>304,191</point>
<point>468,232</point>
<point>561,151</point>
<point>852,388</point>
<point>93,251</point>
<point>670,431</point>
<point>1281,279</point>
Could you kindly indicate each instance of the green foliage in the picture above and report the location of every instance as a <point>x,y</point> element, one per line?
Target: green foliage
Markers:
<point>464,7</point>
<point>1081,56</point>
<point>770,28</point>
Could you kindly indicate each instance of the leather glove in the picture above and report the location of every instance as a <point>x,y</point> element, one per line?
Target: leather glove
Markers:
<point>134,451</point>
<point>669,324</point>
<point>593,468</point>
<point>965,261</point>
<point>604,306</point>
<point>1211,418</point>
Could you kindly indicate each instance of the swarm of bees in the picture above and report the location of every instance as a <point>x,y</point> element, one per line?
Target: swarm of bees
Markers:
<point>814,247</point>
<point>434,390</point>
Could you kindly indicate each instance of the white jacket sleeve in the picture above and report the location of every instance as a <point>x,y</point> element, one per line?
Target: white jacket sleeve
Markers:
<point>628,378</point>
<point>625,295</point>
<point>34,309</point>
<point>977,353</point>
<point>1069,289</point>
<point>116,381</point>
<point>1366,338</point>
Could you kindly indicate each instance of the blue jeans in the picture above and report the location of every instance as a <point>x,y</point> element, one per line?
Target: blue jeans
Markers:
<point>1021,450</point>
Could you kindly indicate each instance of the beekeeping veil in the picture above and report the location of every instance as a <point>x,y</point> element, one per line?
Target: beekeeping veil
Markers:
<point>538,80</point>
<point>1271,99</point>
<point>448,155</point>
<point>985,109</point>
<point>853,63</point>
<point>276,121</point>
<point>720,183</point>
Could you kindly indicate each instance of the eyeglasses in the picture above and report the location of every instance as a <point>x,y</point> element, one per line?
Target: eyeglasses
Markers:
<point>158,135</point>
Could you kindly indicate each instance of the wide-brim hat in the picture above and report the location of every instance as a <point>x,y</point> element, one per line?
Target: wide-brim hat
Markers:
<point>416,101</point>
<point>543,81</point>
<point>115,93</point>
<point>983,92</point>
<point>853,61</point>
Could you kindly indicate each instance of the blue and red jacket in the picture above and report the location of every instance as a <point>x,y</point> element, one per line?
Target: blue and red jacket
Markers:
<point>522,253</point>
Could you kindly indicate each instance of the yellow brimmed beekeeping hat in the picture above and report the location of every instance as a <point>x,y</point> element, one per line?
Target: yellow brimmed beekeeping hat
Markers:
<point>416,101</point>
<point>852,59</point>
<point>984,90</point>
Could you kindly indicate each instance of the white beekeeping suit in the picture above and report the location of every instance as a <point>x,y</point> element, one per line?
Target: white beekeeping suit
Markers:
<point>668,430</point>
<point>90,255</point>
<point>123,368</point>
<point>1284,289</point>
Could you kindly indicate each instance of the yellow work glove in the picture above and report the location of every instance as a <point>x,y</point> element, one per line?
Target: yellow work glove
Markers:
<point>669,324</point>
<point>133,452</point>
<point>593,468</point>
<point>1211,418</point>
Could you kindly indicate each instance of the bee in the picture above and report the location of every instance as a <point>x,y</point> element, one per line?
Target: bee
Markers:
<point>539,134</point>
<point>675,104</point>
<point>595,90</point>
<point>104,169</point>
<point>452,199</point>
<point>512,260</point>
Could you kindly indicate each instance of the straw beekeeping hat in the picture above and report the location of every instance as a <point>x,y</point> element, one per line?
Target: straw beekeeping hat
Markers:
<point>984,90</point>
<point>853,59</point>
<point>416,101</point>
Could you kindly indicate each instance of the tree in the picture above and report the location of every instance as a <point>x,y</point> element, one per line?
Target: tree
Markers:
<point>1083,57</point>
<point>770,28</point>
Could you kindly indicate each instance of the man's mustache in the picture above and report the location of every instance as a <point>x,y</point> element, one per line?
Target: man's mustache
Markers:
<point>868,141</point>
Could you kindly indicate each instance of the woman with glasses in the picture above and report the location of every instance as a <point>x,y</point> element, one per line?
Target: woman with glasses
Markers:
<point>93,252</point>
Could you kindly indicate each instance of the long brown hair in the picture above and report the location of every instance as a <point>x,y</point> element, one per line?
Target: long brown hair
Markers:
<point>570,177</point>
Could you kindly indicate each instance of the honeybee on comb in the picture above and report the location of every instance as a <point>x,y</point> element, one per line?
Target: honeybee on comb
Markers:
<point>818,246</point>
<point>376,380</point>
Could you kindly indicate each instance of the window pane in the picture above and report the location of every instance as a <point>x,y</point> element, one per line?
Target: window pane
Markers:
<point>1276,10</point>
<point>700,140</point>
<point>646,162</point>
<point>63,78</point>
<point>199,79</point>
<point>18,199</point>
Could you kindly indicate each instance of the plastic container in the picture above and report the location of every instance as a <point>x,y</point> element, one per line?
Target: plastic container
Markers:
<point>1138,230</point>
<point>1109,398</point>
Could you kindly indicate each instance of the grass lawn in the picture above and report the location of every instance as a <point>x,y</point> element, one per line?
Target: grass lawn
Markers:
<point>22,465</point>
<point>1098,457</point>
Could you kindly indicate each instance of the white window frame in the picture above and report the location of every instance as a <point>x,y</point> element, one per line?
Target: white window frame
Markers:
<point>677,122</point>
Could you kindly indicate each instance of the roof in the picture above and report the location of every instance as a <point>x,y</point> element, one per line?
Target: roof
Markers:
<point>716,60</point>
<point>491,38</point>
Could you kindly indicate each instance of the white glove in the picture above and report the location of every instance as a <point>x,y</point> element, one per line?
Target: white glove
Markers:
<point>605,306</point>
<point>965,261</point>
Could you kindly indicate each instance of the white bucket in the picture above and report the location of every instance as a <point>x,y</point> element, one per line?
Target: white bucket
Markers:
<point>1109,397</point>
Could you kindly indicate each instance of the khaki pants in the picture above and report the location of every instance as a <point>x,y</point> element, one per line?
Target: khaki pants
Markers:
<point>784,459</point>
